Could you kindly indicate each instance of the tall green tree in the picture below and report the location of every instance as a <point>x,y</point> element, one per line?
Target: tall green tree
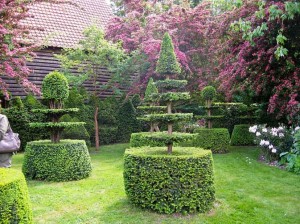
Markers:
<point>93,52</point>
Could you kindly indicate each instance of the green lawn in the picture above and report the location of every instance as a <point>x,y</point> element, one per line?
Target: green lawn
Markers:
<point>246,191</point>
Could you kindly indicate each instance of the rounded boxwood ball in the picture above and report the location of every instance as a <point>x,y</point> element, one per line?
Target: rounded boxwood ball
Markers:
<point>55,86</point>
<point>15,206</point>
<point>63,161</point>
<point>208,92</point>
<point>182,182</point>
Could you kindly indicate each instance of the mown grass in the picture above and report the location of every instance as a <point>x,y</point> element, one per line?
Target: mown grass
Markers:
<point>246,191</point>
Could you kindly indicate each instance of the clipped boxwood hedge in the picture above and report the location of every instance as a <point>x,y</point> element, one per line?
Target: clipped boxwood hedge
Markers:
<point>15,206</point>
<point>215,139</point>
<point>182,182</point>
<point>241,135</point>
<point>64,161</point>
<point>141,139</point>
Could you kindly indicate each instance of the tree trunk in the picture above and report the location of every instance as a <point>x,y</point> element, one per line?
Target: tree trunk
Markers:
<point>208,104</point>
<point>169,106</point>
<point>151,127</point>
<point>170,146</point>
<point>97,145</point>
<point>156,128</point>
<point>170,129</point>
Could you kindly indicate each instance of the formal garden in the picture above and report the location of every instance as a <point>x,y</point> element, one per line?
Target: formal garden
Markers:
<point>202,126</point>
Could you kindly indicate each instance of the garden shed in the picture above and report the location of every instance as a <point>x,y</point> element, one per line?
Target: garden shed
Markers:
<point>58,26</point>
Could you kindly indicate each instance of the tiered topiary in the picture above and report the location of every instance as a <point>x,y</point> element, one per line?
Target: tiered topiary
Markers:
<point>172,180</point>
<point>215,139</point>
<point>65,160</point>
<point>15,206</point>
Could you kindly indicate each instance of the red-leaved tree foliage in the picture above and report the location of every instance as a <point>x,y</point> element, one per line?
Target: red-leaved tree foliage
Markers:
<point>15,46</point>
<point>260,53</point>
<point>144,24</point>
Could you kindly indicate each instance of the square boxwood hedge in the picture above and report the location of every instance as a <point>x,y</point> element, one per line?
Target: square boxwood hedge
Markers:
<point>15,206</point>
<point>241,135</point>
<point>181,182</point>
<point>215,139</point>
<point>63,161</point>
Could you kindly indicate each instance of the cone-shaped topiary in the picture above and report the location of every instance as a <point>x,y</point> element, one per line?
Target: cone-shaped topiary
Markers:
<point>151,88</point>
<point>167,63</point>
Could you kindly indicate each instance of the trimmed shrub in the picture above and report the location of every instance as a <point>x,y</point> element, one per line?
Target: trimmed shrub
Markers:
<point>108,135</point>
<point>182,182</point>
<point>15,206</point>
<point>215,139</point>
<point>127,121</point>
<point>140,139</point>
<point>208,92</point>
<point>55,86</point>
<point>167,63</point>
<point>64,161</point>
<point>241,135</point>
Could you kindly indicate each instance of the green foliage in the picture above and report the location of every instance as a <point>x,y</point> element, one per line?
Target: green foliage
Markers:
<point>178,183</point>
<point>170,84</point>
<point>19,122</point>
<point>169,118</point>
<point>215,139</point>
<point>167,63</point>
<point>55,111</point>
<point>15,206</point>
<point>141,139</point>
<point>64,161</point>
<point>241,135</point>
<point>152,108</point>
<point>208,92</point>
<point>136,100</point>
<point>108,135</point>
<point>55,86</point>
<point>127,121</point>
<point>59,125</point>
<point>164,137</point>
<point>151,89</point>
<point>77,132</point>
<point>172,96</point>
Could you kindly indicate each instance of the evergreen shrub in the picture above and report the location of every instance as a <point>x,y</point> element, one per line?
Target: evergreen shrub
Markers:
<point>15,206</point>
<point>108,135</point>
<point>182,182</point>
<point>241,135</point>
<point>215,139</point>
<point>63,161</point>
<point>140,139</point>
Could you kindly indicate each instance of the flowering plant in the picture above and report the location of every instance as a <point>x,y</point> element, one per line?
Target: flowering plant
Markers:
<point>273,140</point>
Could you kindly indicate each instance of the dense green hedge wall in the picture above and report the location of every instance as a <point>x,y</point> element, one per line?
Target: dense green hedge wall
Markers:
<point>140,139</point>
<point>241,135</point>
<point>64,161</point>
<point>179,183</point>
<point>15,206</point>
<point>108,135</point>
<point>215,139</point>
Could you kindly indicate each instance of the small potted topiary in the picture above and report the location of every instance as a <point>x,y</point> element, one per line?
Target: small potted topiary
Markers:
<point>169,179</point>
<point>56,160</point>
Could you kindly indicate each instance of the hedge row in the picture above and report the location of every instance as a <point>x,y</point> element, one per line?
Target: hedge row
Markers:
<point>64,161</point>
<point>215,139</point>
<point>181,182</point>
<point>15,206</point>
<point>140,139</point>
<point>241,135</point>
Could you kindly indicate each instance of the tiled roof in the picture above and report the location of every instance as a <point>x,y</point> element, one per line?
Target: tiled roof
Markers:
<point>61,25</point>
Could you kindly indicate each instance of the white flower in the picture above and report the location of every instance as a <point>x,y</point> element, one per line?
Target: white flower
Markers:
<point>271,146</point>
<point>253,129</point>
<point>264,130</point>
<point>281,135</point>
<point>280,128</point>
<point>274,150</point>
<point>297,128</point>
<point>258,134</point>
<point>262,142</point>
<point>274,133</point>
<point>267,143</point>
